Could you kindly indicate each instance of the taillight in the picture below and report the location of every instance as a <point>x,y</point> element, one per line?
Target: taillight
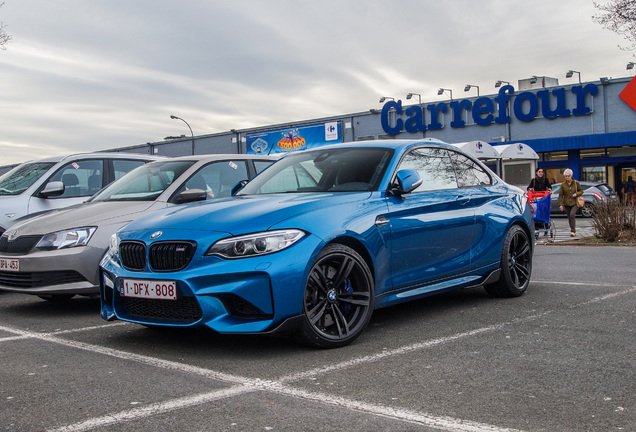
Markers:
<point>598,195</point>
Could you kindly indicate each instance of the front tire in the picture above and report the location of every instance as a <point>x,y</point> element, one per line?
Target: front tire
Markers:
<point>516,265</point>
<point>338,300</point>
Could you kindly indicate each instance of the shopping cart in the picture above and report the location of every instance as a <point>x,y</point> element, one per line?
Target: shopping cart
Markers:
<point>544,227</point>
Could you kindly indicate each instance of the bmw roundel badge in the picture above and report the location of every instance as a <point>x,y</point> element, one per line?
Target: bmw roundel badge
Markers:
<point>155,235</point>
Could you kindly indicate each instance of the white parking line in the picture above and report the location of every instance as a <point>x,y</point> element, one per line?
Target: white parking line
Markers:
<point>244,385</point>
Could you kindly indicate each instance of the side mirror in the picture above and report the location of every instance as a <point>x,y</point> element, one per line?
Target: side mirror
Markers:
<point>192,195</point>
<point>52,189</point>
<point>237,187</point>
<point>407,181</point>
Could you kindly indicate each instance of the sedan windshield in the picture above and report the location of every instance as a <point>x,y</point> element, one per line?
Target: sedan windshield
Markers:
<point>334,170</point>
<point>145,183</point>
<point>22,177</point>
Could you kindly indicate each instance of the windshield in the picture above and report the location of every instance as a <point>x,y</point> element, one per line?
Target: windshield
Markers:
<point>22,177</point>
<point>145,183</point>
<point>335,170</point>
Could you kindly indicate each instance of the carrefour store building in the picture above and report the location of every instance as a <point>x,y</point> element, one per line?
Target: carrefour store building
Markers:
<point>589,127</point>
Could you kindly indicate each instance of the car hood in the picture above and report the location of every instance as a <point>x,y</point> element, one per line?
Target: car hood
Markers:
<point>86,214</point>
<point>242,214</point>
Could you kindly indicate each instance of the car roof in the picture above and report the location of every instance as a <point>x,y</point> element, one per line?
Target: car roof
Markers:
<point>216,157</point>
<point>98,155</point>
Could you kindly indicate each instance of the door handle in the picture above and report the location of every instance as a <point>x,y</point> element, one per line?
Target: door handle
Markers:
<point>462,199</point>
<point>381,221</point>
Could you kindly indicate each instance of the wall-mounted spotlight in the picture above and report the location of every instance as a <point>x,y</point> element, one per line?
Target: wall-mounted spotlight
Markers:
<point>630,66</point>
<point>500,82</point>
<point>419,97</point>
<point>442,90</point>
<point>572,72</point>
<point>534,79</point>
<point>383,98</point>
<point>469,86</point>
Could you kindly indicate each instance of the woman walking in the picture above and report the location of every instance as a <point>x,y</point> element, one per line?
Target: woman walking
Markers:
<point>540,182</point>
<point>570,189</point>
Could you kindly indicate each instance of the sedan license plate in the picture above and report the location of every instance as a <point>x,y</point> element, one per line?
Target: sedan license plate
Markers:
<point>9,264</point>
<point>149,289</point>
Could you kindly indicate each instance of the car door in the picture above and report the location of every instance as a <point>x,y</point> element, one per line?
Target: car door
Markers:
<point>80,178</point>
<point>431,227</point>
<point>476,183</point>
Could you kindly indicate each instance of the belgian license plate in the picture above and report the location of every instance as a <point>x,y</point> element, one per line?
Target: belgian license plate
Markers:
<point>149,289</point>
<point>10,264</point>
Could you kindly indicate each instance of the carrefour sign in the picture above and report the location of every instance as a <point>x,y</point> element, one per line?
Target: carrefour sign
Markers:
<point>525,107</point>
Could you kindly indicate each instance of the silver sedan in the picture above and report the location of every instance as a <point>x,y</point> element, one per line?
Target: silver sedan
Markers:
<point>56,255</point>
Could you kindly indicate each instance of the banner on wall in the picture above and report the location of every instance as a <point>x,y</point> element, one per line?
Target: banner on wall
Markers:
<point>295,138</point>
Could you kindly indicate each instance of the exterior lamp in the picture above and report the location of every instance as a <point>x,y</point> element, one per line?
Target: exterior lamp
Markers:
<point>500,82</point>
<point>630,65</point>
<point>383,98</point>
<point>419,97</point>
<point>572,72</point>
<point>469,86</point>
<point>174,117</point>
<point>442,90</point>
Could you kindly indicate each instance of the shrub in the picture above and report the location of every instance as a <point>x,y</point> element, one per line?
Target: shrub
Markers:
<point>613,221</point>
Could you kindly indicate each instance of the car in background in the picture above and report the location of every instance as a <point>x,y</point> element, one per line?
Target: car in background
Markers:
<point>593,192</point>
<point>316,242</point>
<point>47,184</point>
<point>56,255</point>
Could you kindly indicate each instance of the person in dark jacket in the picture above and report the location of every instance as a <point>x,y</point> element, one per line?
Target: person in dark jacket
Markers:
<point>540,182</point>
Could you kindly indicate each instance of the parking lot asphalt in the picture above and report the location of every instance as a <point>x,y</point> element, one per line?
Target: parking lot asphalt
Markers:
<point>560,358</point>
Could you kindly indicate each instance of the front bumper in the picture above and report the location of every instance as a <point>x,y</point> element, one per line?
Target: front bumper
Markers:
<point>63,271</point>
<point>248,295</point>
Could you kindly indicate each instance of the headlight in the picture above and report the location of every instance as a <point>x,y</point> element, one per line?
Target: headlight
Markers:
<point>66,239</point>
<point>255,244</point>
<point>113,246</point>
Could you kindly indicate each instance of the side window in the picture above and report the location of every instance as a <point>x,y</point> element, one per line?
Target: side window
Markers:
<point>80,178</point>
<point>122,167</point>
<point>469,173</point>
<point>434,167</point>
<point>261,165</point>
<point>218,178</point>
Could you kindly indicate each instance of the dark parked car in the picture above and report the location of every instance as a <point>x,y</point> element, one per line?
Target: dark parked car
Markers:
<point>320,239</point>
<point>592,193</point>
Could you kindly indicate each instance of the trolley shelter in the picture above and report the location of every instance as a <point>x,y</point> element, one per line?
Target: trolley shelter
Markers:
<point>517,163</point>
<point>482,151</point>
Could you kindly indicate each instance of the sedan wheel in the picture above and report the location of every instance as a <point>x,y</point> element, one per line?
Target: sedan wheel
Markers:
<point>516,265</point>
<point>586,211</point>
<point>338,300</point>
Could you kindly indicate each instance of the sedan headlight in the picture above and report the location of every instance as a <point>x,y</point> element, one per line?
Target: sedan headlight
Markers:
<point>113,245</point>
<point>255,244</point>
<point>66,239</point>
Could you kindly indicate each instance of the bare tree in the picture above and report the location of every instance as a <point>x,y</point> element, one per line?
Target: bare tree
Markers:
<point>619,16</point>
<point>4,36</point>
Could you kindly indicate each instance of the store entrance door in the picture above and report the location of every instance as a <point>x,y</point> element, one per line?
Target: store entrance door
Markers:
<point>622,172</point>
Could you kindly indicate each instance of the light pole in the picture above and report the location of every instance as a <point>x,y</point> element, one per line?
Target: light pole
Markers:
<point>174,117</point>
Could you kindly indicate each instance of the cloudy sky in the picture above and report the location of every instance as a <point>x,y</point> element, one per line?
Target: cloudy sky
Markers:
<point>87,75</point>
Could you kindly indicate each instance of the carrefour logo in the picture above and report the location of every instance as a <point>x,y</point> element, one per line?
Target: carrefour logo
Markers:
<point>525,107</point>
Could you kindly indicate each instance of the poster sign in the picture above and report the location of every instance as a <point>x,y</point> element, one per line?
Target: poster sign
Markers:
<point>295,138</point>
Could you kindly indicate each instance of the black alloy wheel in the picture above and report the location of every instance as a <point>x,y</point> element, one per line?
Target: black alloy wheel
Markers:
<point>338,300</point>
<point>516,265</point>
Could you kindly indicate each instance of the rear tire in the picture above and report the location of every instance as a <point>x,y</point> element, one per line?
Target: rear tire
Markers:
<point>338,300</point>
<point>516,265</point>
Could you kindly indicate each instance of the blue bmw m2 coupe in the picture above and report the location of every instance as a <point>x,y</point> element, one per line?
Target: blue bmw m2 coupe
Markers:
<point>321,238</point>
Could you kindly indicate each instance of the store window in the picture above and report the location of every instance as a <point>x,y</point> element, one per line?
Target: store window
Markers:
<point>621,151</point>
<point>595,173</point>
<point>592,153</point>
<point>555,156</point>
<point>555,175</point>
